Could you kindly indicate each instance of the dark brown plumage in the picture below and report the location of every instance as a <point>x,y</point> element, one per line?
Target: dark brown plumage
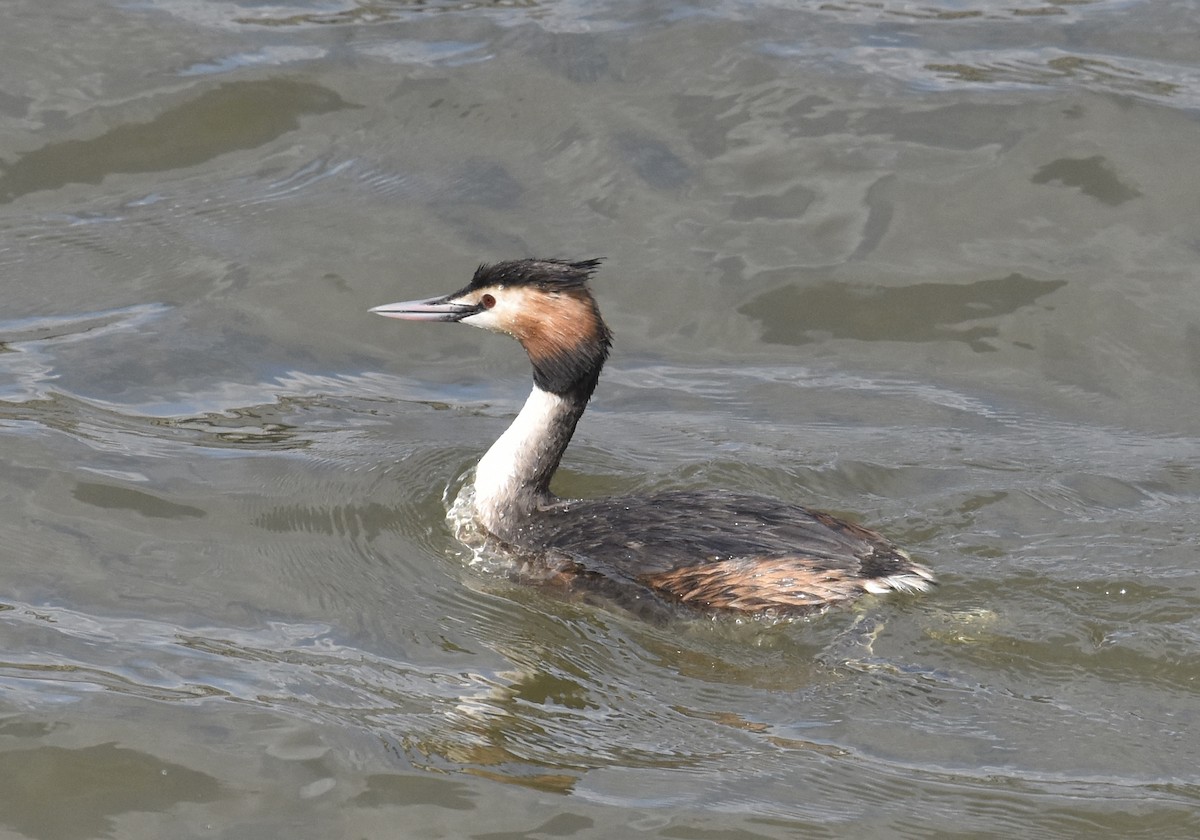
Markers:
<point>722,550</point>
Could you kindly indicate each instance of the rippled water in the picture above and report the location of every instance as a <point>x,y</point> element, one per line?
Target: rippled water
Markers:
<point>932,266</point>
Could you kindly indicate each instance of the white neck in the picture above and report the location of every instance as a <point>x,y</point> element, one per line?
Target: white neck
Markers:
<point>513,476</point>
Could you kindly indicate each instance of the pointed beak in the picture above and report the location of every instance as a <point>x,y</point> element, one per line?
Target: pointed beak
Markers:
<point>431,309</point>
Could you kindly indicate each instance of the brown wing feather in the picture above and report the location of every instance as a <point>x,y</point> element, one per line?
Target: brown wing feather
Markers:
<point>752,584</point>
<point>717,550</point>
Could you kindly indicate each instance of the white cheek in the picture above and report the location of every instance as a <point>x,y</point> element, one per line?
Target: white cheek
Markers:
<point>485,319</point>
<point>500,318</point>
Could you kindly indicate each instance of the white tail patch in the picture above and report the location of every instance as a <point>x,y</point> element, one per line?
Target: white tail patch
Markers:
<point>916,579</point>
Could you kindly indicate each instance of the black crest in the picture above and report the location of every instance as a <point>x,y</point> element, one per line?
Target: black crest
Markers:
<point>542,274</point>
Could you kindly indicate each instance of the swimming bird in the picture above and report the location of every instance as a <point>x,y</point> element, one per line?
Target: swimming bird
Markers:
<point>712,550</point>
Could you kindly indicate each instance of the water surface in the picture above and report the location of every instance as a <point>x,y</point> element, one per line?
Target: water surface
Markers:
<point>932,266</point>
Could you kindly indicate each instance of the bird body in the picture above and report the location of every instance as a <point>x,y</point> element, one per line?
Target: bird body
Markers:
<point>710,550</point>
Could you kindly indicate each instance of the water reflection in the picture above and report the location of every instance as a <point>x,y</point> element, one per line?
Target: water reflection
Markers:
<point>411,789</point>
<point>1037,69</point>
<point>112,497</point>
<point>1094,176</point>
<point>92,786</point>
<point>365,12</point>
<point>233,116</point>
<point>799,314</point>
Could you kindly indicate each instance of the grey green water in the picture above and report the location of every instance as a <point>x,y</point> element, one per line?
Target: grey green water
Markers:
<point>932,265</point>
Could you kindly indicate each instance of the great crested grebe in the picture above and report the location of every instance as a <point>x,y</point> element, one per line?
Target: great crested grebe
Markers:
<point>713,550</point>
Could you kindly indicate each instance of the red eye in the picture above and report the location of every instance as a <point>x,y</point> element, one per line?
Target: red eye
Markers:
<point>487,301</point>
